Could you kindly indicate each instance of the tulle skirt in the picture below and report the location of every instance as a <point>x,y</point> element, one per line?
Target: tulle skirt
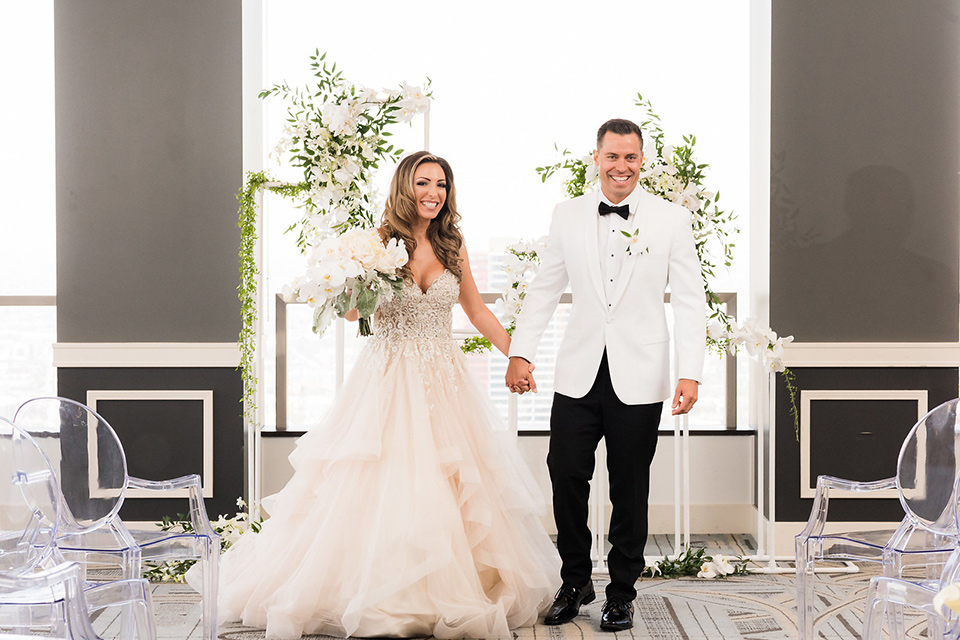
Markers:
<point>410,513</point>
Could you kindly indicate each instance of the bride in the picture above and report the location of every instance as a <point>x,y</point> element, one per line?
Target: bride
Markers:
<point>410,512</point>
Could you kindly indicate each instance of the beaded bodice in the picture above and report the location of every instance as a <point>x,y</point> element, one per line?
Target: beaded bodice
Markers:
<point>418,315</point>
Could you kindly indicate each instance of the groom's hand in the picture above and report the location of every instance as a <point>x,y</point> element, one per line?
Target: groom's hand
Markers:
<point>519,378</point>
<point>685,396</point>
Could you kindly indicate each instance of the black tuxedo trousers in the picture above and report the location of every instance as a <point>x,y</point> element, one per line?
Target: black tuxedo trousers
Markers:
<point>630,432</point>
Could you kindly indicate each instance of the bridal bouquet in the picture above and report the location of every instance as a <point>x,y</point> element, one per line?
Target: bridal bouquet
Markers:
<point>354,270</point>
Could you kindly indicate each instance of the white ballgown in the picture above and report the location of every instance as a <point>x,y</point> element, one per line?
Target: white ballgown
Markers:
<point>410,512</point>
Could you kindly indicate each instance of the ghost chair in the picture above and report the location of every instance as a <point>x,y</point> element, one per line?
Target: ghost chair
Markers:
<point>890,595</point>
<point>36,596</point>
<point>927,467</point>
<point>92,470</point>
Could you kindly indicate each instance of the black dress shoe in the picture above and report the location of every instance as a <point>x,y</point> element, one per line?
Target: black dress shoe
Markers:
<point>566,605</point>
<point>617,615</point>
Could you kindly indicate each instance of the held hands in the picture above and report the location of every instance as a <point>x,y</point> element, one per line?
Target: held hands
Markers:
<point>685,396</point>
<point>519,378</point>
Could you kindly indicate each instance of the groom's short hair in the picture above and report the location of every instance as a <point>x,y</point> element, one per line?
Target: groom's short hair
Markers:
<point>619,126</point>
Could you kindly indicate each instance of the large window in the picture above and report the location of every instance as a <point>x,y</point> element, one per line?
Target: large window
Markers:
<point>510,80</point>
<point>27,216</point>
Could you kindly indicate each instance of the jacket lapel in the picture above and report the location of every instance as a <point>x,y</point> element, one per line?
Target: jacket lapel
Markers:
<point>592,245</point>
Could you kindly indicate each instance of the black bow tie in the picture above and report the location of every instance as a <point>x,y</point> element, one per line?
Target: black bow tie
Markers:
<point>623,210</point>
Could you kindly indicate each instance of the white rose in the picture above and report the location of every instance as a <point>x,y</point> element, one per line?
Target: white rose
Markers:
<point>362,246</point>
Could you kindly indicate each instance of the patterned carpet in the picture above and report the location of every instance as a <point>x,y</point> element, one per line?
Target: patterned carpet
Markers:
<point>759,607</point>
<point>756,607</point>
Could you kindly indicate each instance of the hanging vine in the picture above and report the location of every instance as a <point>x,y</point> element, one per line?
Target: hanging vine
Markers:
<point>247,290</point>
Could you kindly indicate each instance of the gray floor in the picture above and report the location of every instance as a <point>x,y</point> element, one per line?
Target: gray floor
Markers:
<point>760,607</point>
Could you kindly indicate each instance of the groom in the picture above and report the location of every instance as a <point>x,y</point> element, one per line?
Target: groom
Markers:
<point>613,366</point>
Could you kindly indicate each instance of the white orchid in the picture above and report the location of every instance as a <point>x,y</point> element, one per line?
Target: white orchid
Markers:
<point>760,342</point>
<point>723,565</point>
<point>311,293</point>
<point>339,118</point>
<point>717,331</point>
<point>291,291</point>
<point>708,570</point>
<point>514,266</point>
<point>393,257</point>
<point>687,197</point>
<point>947,598</point>
<point>413,100</point>
<point>592,171</point>
<point>331,277</point>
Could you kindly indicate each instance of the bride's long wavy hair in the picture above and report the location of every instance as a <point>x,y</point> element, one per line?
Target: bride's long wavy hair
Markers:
<point>400,214</point>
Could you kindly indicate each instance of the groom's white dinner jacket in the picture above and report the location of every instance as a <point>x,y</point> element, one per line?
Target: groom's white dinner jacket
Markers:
<point>632,324</point>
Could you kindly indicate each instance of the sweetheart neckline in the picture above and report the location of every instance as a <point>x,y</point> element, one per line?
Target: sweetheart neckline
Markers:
<point>424,292</point>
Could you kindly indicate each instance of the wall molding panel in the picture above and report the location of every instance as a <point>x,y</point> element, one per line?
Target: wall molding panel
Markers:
<point>205,396</point>
<point>145,354</point>
<point>808,396</point>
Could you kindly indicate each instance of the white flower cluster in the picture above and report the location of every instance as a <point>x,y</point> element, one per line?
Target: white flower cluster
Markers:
<point>760,342</point>
<point>660,176</point>
<point>355,259</point>
<point>717,567</point>
<point>230,529</point>
<point>521,265</point>
<point>338,144</point>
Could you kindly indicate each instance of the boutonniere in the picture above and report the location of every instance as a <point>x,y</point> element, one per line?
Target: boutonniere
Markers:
<point>633,243</point>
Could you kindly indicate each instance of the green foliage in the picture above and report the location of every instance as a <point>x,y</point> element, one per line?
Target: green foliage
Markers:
<point>577,183</point>
<point>688,563</point>
<point>247,290</point>
<point>319,143</point>
<point>479,344</point>
<point>476,344</point>
<point>790,380</point>
<point>228,528</point>
<point>324,154</point>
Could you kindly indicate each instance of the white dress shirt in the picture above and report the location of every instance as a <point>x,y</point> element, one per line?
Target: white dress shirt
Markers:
<point>612,243</point>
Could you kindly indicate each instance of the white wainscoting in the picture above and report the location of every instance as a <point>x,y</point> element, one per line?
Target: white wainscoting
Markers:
<point>146,354</point>
<point>872,354</point>
<point>721,480</point>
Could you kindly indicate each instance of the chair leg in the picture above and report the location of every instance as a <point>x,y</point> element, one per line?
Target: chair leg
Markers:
<point>806,609</point>
<point>211,570</point>
<point>129,615</point>
<point>873,613</point>
<point>143,611</point>
<point>895,620</point>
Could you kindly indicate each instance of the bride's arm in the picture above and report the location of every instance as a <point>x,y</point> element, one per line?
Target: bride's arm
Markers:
<point>479,314</point>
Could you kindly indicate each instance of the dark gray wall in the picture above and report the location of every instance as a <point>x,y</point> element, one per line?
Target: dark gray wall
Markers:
<point>864,170</point>
<point>865,220</point>
<point>148,165</point>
